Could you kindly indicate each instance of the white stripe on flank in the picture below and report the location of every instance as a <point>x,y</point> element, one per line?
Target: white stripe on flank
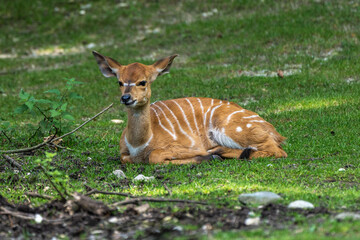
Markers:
<point>201,106</point>
<point>212,102</point>
<point>167,119</point>
<point>211,115</point>
<point>252,116</point>
<point>181,129</point>
<point>257,121</point>
<point>228,118</point>
<point>162,126</point>
<point>193,111</point>
<point>183,113</point>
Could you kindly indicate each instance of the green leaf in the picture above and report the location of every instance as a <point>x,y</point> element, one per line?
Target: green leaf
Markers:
<point>44,101</point>
<point>30,105</point>
<point>56,91</point>
<point>54,113</point>
<point>55,105</point>
<point>21,109</point>
<point>69,117</point>
<point>24,95</point>
<point>74,95</point>
<point>63,107</point>
<point>50,155</point>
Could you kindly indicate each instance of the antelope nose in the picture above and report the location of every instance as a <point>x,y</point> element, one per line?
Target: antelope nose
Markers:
<point>125,98</point>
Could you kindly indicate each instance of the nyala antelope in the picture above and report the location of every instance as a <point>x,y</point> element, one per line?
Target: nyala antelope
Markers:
<point>184,130</point>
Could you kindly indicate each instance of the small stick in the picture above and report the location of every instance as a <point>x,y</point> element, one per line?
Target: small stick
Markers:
<point>12,161</point>
<point>54,139</point>
<point>16,214</point>
<point>6,136</point>
<point>54,186</point>
<point>167,189</point>
<point>37,195</point>
<point>94,191</point>
<point>149,199</point>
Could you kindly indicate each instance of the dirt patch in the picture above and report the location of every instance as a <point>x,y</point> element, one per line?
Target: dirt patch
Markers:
<point>132,221</point>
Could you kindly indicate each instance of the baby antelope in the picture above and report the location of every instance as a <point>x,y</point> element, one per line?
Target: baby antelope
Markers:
<point>184,130</point>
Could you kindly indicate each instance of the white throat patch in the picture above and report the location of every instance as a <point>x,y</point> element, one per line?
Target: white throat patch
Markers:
<point>134,151</point>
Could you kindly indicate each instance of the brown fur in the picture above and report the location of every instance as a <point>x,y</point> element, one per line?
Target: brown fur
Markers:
<point>186,130</point>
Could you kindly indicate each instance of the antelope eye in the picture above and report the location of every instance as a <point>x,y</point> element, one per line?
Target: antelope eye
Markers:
<point>121,84</point>
<point>142,83</point>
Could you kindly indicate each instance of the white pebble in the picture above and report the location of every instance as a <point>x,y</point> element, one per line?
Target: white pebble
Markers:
<point>120,174</point>
<point>143,178</point>
<point>341,169</point>
<point>252,221</point>
<point>117,121</point>
<point>38,218</point>
<point>301,204</point>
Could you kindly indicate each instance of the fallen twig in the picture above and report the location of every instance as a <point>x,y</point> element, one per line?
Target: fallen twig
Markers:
<point>91,205</point>
<point>167,189</point>
<point>29,216</point>
<point>37,195</point>
<point>52,184</point>
<point>94,191</point>
<point>12,161</point>
<point>149,199</point>
<point>54,139</point>
<point>16,214</point>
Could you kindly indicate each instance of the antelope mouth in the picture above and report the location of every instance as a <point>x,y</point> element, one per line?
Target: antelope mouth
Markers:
<point>129,103</point>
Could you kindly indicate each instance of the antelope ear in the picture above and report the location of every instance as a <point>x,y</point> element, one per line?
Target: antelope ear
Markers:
<point>162,66</point>
<point>108,66</point>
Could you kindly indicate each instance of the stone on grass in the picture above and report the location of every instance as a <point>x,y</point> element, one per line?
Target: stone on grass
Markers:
<point>119,173</point>
<point>142,178</point>
<point>347,215</point>
<point>252,221</point>
<point>301,204</point>
<point>259,198</point>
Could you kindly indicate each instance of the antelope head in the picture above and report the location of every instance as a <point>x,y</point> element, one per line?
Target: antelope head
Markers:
<point>134,79</point>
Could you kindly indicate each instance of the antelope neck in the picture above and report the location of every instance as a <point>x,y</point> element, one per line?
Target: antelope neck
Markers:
<point>139,125</point>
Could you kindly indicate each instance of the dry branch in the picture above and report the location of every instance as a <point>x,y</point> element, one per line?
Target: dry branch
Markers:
<point>94,191</point>
<point>149,199</point>
<point>52,184</point>
<point>91,205</point>
<point>12,161</point>
<point>37,195</point>
<point>167,189</point>
<point>55,139</point>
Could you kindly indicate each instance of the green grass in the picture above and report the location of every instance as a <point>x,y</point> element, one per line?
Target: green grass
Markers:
<point>317,109</point>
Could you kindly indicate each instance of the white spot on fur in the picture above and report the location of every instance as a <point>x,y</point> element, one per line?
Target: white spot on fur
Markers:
<point>238,129</point>
<point>222,139</point>
<point>248,125</point>
<point>134,151</point>
<point>252,116</point>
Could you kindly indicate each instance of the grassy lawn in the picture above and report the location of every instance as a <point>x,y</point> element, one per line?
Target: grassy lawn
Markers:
<point>227,50</point>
